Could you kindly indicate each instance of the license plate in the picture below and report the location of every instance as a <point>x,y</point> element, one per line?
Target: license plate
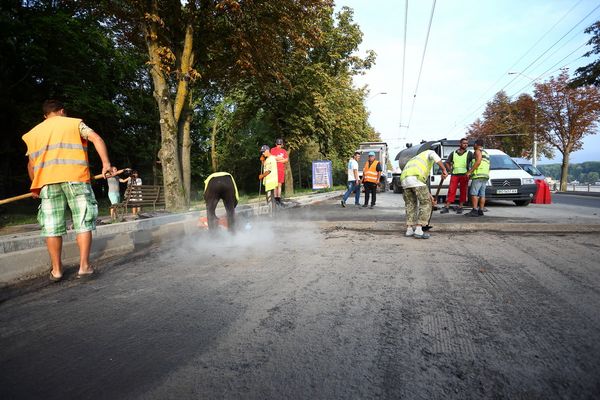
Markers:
<point>507,191</point>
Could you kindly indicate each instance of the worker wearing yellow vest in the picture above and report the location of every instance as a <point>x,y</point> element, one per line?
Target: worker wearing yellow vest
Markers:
<point>269,174</point>
<point>60,177</point>
<point>479,174</point>
<point>458,161</point>
<point>417,198</point>
<point>371,176</point>
<point>220,186</point>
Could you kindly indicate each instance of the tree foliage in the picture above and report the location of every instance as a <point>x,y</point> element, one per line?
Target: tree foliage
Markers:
<point>162,76</point>
<point>511,126</point>
<point>590,74</point>
<point>567,115</point>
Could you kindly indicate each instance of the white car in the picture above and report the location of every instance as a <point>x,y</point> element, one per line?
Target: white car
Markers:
<point>507,180</point>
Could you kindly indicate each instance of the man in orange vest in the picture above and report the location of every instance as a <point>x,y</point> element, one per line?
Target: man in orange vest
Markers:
<point>60,176</point>
<point>371,175</point>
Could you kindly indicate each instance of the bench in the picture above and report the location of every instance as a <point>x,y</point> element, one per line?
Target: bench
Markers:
<point>140,196</point>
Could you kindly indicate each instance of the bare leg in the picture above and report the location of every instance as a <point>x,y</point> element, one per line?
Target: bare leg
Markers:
<point>482,202</point>
<point>474,202</point>
<point>84,242</point>
<point>54,245</point>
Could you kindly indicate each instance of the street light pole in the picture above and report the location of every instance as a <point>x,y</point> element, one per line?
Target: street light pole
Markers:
<point>535,142</point>
<point>375,95</point>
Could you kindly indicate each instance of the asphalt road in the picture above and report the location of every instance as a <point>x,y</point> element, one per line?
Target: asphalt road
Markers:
<point>335,314</point>
<point>575,200</point>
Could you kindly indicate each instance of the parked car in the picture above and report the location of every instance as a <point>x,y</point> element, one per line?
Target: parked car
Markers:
<point>528,167</point>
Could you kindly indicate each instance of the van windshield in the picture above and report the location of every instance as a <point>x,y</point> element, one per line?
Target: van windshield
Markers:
<point>502,161</point>
<point>531,170</point>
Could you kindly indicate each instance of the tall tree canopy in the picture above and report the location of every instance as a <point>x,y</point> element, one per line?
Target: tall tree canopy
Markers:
<point>590,74</point>
<point>567,115</point>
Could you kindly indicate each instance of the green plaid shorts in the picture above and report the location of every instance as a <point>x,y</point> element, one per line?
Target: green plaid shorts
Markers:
<point>80,199</point>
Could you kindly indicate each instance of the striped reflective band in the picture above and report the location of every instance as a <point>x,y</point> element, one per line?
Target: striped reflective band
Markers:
<point>69,146</point>
<point>60,161</point>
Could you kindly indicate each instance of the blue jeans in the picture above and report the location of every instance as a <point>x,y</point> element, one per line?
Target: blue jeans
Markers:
<point>353,187</point>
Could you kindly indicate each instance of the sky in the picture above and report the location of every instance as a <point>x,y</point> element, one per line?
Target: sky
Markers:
<point>472,46</point>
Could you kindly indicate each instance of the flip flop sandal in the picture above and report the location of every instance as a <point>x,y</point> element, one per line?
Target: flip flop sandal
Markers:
<point>55,278</point>
<point>87,276</point>
<point>423,236</point>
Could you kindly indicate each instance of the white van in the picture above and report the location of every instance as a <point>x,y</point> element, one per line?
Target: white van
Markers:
<point>507,180</point>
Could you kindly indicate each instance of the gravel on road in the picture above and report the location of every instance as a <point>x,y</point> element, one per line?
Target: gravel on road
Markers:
<point>334,314</point>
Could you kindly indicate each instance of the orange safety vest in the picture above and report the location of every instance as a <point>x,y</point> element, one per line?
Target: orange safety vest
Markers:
<point>57,151</point>
<point>370,173</point>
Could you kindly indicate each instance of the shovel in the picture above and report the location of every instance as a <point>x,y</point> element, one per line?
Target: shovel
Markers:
<point>437,193</point>
<point>28,195</point>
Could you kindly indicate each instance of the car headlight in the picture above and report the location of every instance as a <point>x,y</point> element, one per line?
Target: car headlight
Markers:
<point>528,181</point>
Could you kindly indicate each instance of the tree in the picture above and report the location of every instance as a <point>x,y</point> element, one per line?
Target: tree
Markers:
<point>197,44</point>
<point>566,115</point>
<point>49,51</point>
<point>590,74</point>
<point>511,126</point>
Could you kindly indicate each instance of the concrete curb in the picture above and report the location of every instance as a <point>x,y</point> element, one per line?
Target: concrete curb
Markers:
<point>587,194</point>
<point>485,227</point>
<point>24,256</point>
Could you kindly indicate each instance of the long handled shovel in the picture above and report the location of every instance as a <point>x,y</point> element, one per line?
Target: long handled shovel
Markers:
<point>28,195</point>
<point>437,193</point>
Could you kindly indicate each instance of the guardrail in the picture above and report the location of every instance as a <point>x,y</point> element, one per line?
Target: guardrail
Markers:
<point>578,188</point>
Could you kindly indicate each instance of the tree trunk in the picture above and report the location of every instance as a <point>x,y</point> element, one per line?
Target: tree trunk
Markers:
<point>564,172</point>
<point>289,177</point>
<point>213,144</point>
<point>186,146</point>
<point>169,150</point>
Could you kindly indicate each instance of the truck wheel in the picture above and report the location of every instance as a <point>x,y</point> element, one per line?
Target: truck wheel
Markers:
<point>522,203</point>
<point>383,186</point>
<point>397,188</point>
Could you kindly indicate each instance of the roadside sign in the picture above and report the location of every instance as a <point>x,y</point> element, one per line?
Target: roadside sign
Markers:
<point>321,174</point>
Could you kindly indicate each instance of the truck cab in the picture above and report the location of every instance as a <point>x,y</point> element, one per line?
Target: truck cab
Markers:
<point>381,154</point>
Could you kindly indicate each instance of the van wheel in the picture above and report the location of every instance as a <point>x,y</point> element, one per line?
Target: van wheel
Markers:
<point>522,203</point>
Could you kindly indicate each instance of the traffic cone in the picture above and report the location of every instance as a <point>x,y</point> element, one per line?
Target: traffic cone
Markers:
<point>547,194</point>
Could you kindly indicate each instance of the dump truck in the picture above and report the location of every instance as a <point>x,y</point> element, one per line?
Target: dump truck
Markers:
<point>381,154</point>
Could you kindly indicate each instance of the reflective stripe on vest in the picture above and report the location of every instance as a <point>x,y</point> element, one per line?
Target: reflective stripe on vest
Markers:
<point>57,152</point>
<point>459,163</point>
<point>418,166</point>
<point>216,175</point>
<point>483,170</point>
<point>370,173</point>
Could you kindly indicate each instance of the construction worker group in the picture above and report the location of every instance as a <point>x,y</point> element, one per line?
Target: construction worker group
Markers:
<point>59,171</point>
<point>464,164</point>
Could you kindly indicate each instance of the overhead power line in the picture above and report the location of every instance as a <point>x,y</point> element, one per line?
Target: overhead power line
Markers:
<point>403,59</point>
<point>550,69</point>
<point>412,108</point>
<point>502,76</point>
<point>533,62</point>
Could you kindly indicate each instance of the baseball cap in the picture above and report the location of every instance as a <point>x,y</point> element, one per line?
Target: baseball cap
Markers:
<point>371,153</point>
<point>264,148</point>
<point>279,141</point>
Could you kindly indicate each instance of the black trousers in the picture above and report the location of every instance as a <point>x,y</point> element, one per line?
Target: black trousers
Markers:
<point>220,188</point>
<point>370,190</point>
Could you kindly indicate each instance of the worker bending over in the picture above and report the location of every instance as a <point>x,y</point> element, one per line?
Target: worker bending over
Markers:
<point>417,198</point>
<point>220,186</point>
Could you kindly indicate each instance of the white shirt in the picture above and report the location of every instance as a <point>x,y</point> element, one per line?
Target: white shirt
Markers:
<point>352,165</point>
<point>413,181</point>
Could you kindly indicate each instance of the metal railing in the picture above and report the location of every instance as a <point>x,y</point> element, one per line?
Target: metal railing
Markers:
<point>571,187</point>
